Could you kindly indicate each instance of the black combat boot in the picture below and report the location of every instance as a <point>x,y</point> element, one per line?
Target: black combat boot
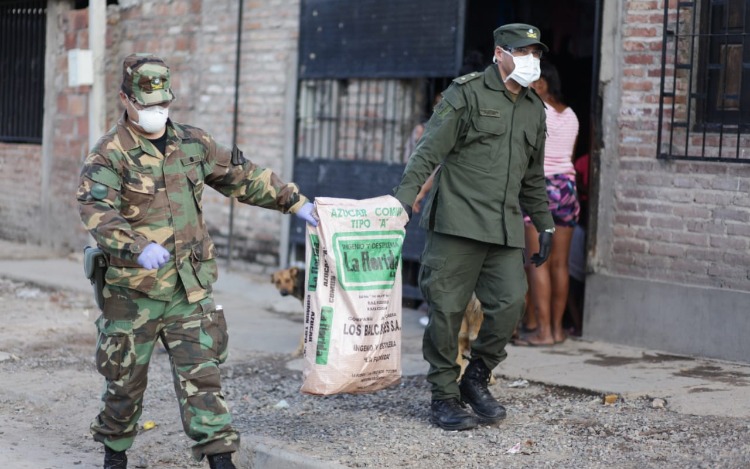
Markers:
<point>114,459</point>
<point>474,392</point>
<point>221,461</point>
<point>449,415</point>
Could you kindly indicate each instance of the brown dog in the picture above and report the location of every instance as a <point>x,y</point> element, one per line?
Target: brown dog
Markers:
<point>470,324</point>
<point>291,281</point>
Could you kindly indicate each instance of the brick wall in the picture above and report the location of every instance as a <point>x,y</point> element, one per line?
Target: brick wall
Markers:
<point>676,221</point>
<point>197,38</point>
<point>20,204</point>
<point>38,186</point>
<point>69,136</point>
<point>269,45</point>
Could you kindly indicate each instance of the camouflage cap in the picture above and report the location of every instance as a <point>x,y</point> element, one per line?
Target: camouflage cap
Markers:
<point>145,77</point>
<point>518,35</point>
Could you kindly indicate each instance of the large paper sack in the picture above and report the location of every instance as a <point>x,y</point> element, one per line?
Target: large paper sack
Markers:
<point>353,296</point>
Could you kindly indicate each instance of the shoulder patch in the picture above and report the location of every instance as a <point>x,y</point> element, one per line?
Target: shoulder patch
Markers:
<point>105,176</point>
<point>453,96</point>
<point>466,78</point>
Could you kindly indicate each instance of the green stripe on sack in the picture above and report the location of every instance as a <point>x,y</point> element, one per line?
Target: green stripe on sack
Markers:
<point>312,281</point>
<point>324,335</point>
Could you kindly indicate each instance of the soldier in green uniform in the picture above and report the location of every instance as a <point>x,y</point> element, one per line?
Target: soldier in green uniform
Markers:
<point>140,197</point>
<point>485,140</point>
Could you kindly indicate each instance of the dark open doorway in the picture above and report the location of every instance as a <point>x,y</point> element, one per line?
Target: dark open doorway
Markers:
<point>360,118</point>
<point>568,29</point>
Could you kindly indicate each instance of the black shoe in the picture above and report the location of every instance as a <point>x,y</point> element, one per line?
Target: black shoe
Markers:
<point>221,461</point>
<point>474,392</point>
<point>115,459</point>
<point>449,415</point>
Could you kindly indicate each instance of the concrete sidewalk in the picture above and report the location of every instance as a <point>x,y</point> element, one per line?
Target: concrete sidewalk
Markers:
<point>262,321</point>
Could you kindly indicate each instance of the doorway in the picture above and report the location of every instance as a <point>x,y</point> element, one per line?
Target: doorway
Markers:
<point>569,28</point>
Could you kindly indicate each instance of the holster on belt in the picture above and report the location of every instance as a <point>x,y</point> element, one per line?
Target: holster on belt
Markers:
<point>95,267</point>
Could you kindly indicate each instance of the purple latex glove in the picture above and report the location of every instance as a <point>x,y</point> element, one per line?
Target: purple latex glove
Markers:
<point>153,257</point>
<point>306,213</point>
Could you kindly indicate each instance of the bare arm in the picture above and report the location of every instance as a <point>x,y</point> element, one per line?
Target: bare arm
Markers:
<point>416,206</point>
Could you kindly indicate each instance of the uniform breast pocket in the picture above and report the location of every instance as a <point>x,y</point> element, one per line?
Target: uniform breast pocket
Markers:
<point>483,140</point>
<point>195,176</point>
<point>531,141</point>
<point>531,147</point>
<point>138,191</point>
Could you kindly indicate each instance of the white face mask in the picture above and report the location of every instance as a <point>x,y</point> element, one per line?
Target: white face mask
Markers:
<point>152,119</point>
<point>527,69</point>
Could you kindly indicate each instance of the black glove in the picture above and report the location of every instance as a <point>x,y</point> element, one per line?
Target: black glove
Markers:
<point>545,246</point>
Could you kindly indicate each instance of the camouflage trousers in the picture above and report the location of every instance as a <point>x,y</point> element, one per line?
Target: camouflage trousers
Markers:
<point>195,337</point>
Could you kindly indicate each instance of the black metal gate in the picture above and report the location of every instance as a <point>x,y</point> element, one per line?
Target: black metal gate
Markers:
<point>22,43</point>
<point>369,73</point>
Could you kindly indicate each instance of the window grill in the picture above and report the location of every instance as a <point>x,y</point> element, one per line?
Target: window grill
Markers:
<point>704,105</point>
<point>22,43</point>
<point>362,119</point>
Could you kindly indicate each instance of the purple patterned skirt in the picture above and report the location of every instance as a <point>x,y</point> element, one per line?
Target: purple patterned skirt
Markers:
<point>563,200</point>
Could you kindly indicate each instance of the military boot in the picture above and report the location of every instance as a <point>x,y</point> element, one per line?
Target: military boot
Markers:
<point>449,415</point>
<point>221,461</point>
<point>474,392</point>
<point>115,459</point>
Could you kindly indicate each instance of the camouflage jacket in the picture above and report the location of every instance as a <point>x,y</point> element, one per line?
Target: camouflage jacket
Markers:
<point>131,195</point>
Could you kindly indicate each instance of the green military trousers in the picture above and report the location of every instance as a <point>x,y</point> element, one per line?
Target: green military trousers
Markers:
<point>194,335</point>
<point>452,268</point>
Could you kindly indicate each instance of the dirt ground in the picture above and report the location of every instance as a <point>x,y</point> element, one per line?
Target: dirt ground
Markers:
<point>49,393</point>
<point>49,390</point>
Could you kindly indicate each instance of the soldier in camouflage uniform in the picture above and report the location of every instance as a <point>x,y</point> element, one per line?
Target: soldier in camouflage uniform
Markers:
<point>140,197</point>
<point>487,137</point>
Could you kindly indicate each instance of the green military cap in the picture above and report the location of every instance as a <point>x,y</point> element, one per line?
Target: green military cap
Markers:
<point>519,35</point>
<point>145,78</point>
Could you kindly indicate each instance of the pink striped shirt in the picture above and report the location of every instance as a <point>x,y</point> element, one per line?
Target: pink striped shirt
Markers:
<point>562,130</point>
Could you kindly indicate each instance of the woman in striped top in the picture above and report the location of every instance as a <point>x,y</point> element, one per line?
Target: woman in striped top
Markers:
<point>548,283</point>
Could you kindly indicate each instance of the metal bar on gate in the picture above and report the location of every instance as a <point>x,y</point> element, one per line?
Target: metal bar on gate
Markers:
<point>674,78</point>
<point>28,24</point>
<point>690,80</point>
<point>356,117</point>
<point>365,122</point>
<point>707,76</point>
<point>235,121</point>
<point>406,124</point>
<point>347,104</point>
<point>333,117</point>
<point>15,114</point>
<point>723,84</point>
<point>384,117</point>
<point>23,111</point>
<point>743,71</point>
<point>316,138</point>
<point>337,122</point>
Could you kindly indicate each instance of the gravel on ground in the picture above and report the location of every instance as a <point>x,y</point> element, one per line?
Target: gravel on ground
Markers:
<point>49,394</point>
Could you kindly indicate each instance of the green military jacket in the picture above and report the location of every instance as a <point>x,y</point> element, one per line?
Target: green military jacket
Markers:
<point>491,152</point>
<point>131,195</point>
